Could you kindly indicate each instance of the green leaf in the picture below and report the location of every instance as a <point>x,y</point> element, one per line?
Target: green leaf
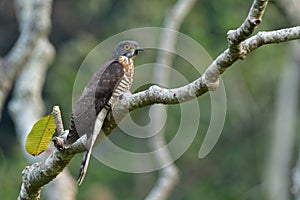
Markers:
<point>40,135</point>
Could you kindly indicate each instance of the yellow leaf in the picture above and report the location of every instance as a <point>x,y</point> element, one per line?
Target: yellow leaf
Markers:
<point>40,135</point>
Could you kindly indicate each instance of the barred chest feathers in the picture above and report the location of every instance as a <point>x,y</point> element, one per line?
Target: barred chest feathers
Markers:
<point>128,67</point>
<point>125,82</point>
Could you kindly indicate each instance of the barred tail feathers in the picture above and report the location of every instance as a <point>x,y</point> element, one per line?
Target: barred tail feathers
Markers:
<point>90,143</point>
<point>84,166</point>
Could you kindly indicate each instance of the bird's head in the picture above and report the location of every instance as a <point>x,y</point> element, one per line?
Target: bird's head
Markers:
<point>127,48</point>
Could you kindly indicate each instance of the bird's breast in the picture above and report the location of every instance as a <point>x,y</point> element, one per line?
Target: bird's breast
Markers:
<point>125,82</point>
<point>128,65</point>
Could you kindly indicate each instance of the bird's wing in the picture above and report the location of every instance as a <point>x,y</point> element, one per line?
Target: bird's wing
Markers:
<point>93,99</point>
<point>91,109</point>
<point>105,87</point>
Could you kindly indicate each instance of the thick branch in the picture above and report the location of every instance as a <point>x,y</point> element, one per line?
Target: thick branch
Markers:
<point>41,173</point>
<point>168,176</point>
<point>35,176</point>
<point>34,67</point>
<point>291,8</point>
<point>296,179</point>
<point>198,87</point>
<point>35,25</point>
<point>277,175</point>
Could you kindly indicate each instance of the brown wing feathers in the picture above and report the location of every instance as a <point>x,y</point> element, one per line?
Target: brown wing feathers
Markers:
<point>93,100</point>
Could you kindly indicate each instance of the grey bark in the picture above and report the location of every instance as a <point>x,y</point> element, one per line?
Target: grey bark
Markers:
<point>34,67</point>
<point>277,176</point>
<point>32,25</point>
<point>168,176</point>
<point>277,172</point>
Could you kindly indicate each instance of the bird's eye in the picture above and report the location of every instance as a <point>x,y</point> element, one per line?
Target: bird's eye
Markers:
<point>126,47</point>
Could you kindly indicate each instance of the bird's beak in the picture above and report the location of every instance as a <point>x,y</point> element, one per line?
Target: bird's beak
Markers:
<point>136,51</point>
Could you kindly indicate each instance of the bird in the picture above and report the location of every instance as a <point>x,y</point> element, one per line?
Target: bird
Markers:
<point>100,95</point>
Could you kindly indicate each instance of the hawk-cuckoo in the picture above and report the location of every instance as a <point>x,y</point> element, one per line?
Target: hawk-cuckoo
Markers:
<point>112,80</point>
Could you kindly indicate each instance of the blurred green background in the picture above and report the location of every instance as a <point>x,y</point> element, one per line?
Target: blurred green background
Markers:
<point>235,167</point>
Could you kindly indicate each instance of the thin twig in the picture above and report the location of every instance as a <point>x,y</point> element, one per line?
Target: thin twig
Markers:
<point>58,120</point>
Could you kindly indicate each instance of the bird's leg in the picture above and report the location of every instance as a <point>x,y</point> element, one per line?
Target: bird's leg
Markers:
<point>120,107</point>
<point>125,94</point>
<point>59,141</point>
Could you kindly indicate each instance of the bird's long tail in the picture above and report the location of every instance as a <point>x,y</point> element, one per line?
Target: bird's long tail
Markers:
<point>90,143</point>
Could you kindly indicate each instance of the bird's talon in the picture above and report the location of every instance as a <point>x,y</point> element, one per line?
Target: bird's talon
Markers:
<point>59,143</point>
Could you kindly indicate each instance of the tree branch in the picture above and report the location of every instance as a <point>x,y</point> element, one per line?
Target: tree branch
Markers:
<point>34,67</point>
<point>277,174</point>
<point>235,37</point>
<point>156,94</point>
<point>39,174</point>
<point>58,120</point>
<point>271,37</point>
<point>296,179</point>
<point>291,8</point>
<point>168,176</point>
<point>35,24</point>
